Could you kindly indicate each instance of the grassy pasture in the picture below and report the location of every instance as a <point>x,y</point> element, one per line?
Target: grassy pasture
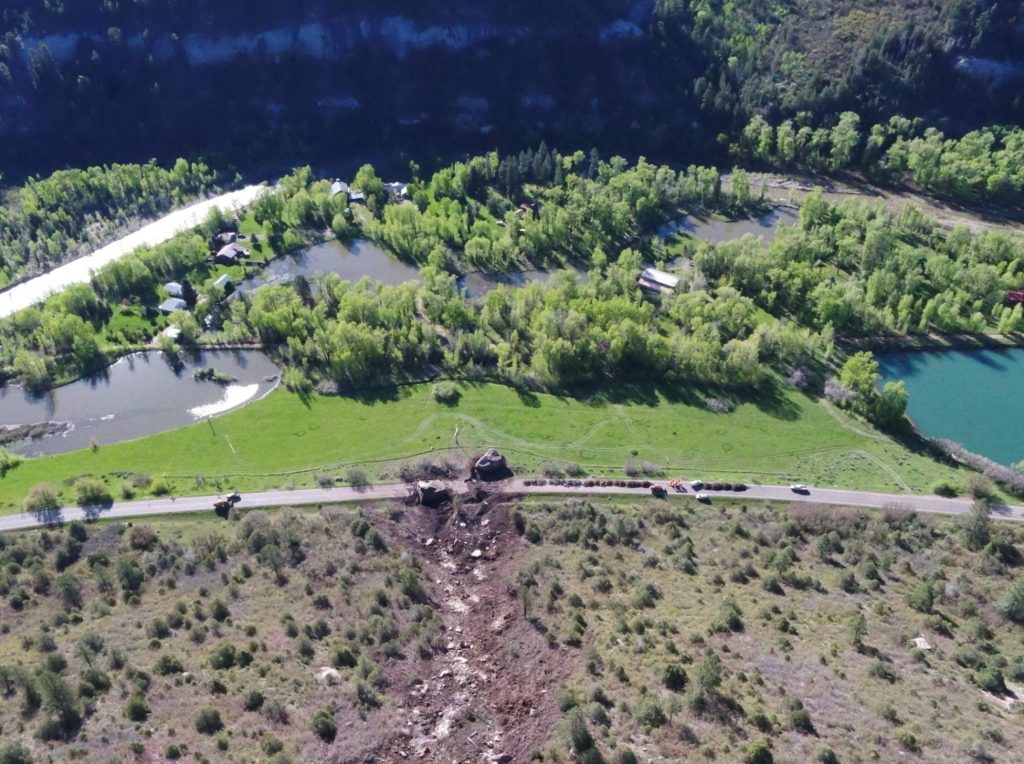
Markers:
<point>286,441</point>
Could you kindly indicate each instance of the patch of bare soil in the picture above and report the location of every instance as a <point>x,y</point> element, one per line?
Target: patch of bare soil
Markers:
<point>1013,697</point>
<point>490,695</point>
<point>795,186</point>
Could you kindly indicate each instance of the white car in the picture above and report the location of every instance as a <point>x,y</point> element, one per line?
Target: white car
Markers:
<point>799,488</point>
<point>703,497</point>
<point>696,484</point>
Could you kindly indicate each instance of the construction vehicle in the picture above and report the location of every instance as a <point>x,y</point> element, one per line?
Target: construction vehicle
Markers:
<point>223,506</point>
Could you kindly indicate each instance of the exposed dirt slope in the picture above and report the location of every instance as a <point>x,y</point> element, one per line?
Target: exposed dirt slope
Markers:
<point>490,696</point>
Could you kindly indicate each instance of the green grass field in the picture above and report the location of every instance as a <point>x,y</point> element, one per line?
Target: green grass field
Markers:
<point>282,441</point>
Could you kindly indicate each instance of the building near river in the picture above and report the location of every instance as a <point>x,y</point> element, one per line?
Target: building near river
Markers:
<point>230,254</point>
<point>655,281</point>
<point>172,304</point>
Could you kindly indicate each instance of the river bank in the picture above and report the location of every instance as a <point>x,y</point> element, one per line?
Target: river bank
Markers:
<point>929,342</point>
<point>139,395</point>
<point>80,271</point>
<point>973,397</point>
<point>794,186</point>
<point>290,440</point>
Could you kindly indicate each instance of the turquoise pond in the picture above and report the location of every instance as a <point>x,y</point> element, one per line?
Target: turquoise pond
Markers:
<point>974,397</point>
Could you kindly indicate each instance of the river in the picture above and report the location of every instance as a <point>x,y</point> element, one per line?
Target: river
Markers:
<point>80,271</point>
<point>139,395</point>
<point>974,397</point>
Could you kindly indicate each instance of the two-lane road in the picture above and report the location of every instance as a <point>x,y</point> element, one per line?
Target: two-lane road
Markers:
<point>867,499</point>
<point>165,506</point>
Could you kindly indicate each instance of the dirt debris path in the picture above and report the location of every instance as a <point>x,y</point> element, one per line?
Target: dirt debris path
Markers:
<point>489,697</point>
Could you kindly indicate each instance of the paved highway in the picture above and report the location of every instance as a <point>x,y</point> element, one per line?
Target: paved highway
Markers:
<point>168,505</point>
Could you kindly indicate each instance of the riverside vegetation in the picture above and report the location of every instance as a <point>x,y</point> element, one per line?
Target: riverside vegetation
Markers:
<point>980,166</point>
<point>749,632</point>
<point>746,307</point>
<point>750,319</point>
<point>51,220</point>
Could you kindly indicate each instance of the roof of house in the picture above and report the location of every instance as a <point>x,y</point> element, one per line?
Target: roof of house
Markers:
<point>660,278</point>
<point>356,195</point>
<point>174,289</point>
<point>232,250</point>
<point>172,304</point>
<point>339,187</point>
<point>223,281</point>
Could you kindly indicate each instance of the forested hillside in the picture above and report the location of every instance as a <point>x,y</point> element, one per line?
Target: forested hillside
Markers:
<point>272,84</point>
<point>879,58</point>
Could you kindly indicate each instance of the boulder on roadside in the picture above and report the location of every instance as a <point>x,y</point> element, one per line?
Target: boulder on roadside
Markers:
<point>491,465</point>
<point>432,493</point>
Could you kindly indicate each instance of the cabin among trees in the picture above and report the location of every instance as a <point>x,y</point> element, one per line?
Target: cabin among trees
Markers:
<point>231,254</point>
<point>656,282</point>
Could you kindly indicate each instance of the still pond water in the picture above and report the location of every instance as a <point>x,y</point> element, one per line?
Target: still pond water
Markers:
<point>139,395</point>
<point>717,229</point>
<point>361,258</point>
<point>974,397</point>
<point>350,261</point>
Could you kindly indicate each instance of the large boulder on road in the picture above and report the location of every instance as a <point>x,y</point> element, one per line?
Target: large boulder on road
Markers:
<point>432,493</point>
<point>492,464</point>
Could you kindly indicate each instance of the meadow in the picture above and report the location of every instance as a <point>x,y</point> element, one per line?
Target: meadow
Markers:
<point>285,441</point>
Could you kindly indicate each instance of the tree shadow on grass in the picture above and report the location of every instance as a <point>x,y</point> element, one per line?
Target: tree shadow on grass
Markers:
<point>613,393</point>
<point>384,393</point>
<point>773,400</point>
<point>528,398</point>
<point>772,397</point>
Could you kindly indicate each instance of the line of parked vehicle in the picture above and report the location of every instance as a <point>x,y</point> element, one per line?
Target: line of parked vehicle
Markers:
<point>698,487</point>
<point>657,489</point>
